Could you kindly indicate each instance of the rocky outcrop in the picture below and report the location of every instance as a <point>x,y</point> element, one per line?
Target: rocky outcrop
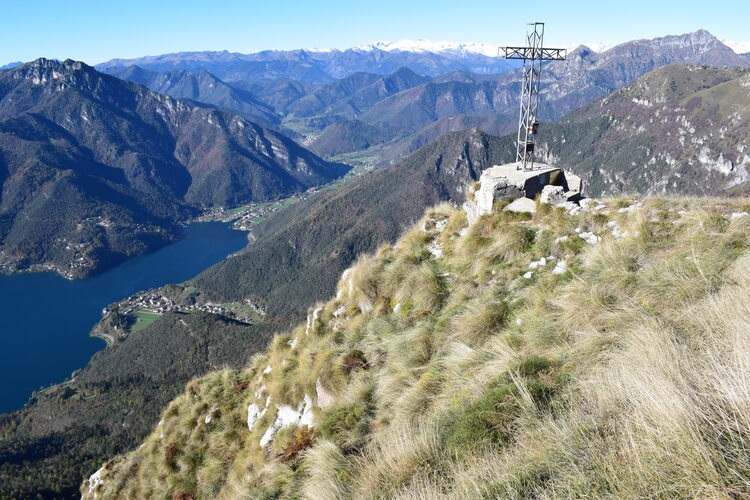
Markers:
<point>509,182</point>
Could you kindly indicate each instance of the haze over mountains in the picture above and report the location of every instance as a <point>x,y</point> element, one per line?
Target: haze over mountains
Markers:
<point>310,66</point>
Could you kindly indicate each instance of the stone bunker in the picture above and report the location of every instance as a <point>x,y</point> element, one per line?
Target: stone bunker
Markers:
<point>507,182</point>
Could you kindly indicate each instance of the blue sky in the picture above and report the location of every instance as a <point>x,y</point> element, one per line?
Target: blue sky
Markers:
<point>95,31</point>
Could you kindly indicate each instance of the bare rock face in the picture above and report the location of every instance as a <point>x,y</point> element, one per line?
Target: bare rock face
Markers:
<point>508,182</point>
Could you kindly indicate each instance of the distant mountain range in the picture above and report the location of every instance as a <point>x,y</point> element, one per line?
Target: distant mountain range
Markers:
<point>317,66</point>
<point>94,169</point>
<point>381,118</point>
<point>11,65</point>
<point>422,56</point>
<point>202,87</point>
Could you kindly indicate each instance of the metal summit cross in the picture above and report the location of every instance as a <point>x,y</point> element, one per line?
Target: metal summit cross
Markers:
<point>528,122</point>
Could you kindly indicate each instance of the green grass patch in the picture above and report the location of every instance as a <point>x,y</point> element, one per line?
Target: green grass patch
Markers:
<point>143,319</point>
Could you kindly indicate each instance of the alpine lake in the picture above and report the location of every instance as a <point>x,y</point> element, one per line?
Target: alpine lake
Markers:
<point>46,319</point>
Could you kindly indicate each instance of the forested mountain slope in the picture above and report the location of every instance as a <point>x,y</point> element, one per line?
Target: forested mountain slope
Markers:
<point>679,129</point>
<point>94,169</point>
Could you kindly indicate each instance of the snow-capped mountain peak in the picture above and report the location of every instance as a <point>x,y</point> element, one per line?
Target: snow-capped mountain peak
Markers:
<point>422,45</point>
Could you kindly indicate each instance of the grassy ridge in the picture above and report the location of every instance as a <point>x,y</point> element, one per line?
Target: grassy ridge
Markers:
<point>460,375</point>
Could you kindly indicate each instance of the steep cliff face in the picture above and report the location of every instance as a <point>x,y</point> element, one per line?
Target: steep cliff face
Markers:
<point>600,349</point>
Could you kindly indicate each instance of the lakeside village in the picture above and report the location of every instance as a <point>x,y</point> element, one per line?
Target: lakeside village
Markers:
<point>154,303</point>
<point>245,217</point>
<point>79,264</point>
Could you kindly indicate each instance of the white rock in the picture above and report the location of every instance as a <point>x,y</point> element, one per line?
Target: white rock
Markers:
<point>287,416</point>
<point>95,482</point>
<point>738,215</point>
<point>260,391</point>
<point>538,263</point>
<point>312,319</point>
<point>253,415</point>
<point>634,206</point>
<point>435,249</point>
<point>590,238</point>
<point>528,275</point>
<point>617,231</point>
<point>267,370</point>
<point>560,268</point>
<point>586,203</point>
<point>570,207</point>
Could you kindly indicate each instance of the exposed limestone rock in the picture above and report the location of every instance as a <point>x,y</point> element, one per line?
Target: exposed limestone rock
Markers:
<point>253,415</point>
<point>311,320</point>
<point>590,238</point>
<point>560,268</point>
<point>287,416</point>
<point>538,263</point>
<point>575,185</point>
<point>325,398</point>
<point>95,482</point>
<point>435,249</point>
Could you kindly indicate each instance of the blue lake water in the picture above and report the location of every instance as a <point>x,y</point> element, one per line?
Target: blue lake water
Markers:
<point>45,320</point>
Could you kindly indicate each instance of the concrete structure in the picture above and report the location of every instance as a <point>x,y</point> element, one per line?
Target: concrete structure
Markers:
<point>507,182</point>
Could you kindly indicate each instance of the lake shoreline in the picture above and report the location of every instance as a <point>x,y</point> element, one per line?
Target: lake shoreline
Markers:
<point>50,321</point>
